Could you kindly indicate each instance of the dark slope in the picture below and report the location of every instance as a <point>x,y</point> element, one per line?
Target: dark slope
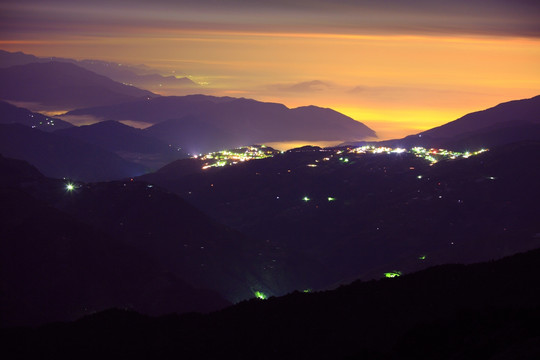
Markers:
<point>381,217</point>
<point>232,122</point>
<point>59,156</point>
<point>54,267</point>
<point>513,121</point>
<point>15,172</point>
<point>63,85</point>
<point>181,239</point>
<point>131,144</point>
<point>11,114</point>
<point>481,311</point>
<point>187,242</point>
<point>496,135</point>
<point>527,110</point>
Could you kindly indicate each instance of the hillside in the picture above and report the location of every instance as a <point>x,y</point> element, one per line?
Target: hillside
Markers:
<point>480,311</point>
<point>63,157</point>
<point>57,268</point>
<point>361,215</point>
<point>129,143</point>
<point>185,242</point>
<point>11,114</point>
<point>509,122</point>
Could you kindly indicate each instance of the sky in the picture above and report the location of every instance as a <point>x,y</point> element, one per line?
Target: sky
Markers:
<point>398,66</point>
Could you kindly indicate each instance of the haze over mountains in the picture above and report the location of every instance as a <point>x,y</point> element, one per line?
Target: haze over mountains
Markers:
<point>108,215</point>
<point>140,76</point>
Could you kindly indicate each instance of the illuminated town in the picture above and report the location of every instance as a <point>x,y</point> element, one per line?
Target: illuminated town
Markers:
<point>235,156</point>
<point>246,153</point>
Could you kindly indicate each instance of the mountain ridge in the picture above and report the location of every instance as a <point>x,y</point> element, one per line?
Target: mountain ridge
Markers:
<point>139,76</point>
<point>233,121</point>
<point>63,85</point>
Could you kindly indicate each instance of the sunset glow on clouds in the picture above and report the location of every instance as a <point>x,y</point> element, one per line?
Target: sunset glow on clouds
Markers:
<point>398,66</point>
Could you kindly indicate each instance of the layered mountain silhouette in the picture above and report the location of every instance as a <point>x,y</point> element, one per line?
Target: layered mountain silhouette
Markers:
<point>55,267</point>
<point>481,311</point>
<point>64,157</point>
<point>140,76</point>
<point>11,114</point>
<point>131,144</point>
<point>62,85</point>
<point>196,122</point>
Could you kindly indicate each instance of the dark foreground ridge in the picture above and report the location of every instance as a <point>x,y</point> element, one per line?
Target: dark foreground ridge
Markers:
<point>481,311</point>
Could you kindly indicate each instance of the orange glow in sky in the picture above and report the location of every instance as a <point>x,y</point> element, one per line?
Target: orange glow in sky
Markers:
<point>397,82</point>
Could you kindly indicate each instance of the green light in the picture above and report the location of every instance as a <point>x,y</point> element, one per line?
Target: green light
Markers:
<point>260,295</point>
<point>331,198</point>
<point>70,187</point>
<point>422,257</point>
<point>307,290</point>
<point>306,199</point>
<point>392,274</point>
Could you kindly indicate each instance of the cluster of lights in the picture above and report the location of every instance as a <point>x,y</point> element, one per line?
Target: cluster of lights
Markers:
<point>260,295</point>
<point>392,274</point>
<point>435,155</point>
<point>235,156</point>
<point>47,121</point>
<point>306,199</point>
<point>431,155</point>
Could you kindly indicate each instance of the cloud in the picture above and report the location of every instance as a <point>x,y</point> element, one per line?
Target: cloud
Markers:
<point>401,17</point>
<point>302,87</point>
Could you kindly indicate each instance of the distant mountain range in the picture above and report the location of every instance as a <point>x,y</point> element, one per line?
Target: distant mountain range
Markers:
<point>200,123</point>
<point>145,153</point>
<point>60,85</point>
<point>140,76</point>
